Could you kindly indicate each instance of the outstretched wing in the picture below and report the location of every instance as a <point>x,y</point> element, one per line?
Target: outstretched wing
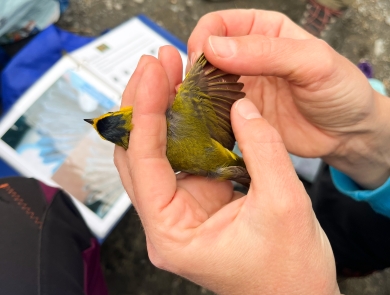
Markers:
<point>216,91</point>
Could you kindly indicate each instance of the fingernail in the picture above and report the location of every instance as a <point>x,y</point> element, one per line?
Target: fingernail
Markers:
<point>247,109</point>
<point>188,65</point>
<point>189,59</point>
<point>193,57</point>
<point>223,46</point>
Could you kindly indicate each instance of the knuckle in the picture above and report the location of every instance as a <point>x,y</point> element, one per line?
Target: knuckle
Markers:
<point>213,21</point>
<point>260,138</point>
<point>157,260</point>
<point>284,208</point>
<point>261,47</point>
<point>281,17</point>
<point>326,53</point>
<point>270,28</point>
<point>264,133</point>
<point>205,19</point>
<point>296,202</point>
<point>161,259</point>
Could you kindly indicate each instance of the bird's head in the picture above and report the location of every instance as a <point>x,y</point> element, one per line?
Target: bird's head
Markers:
<point>114,126</point>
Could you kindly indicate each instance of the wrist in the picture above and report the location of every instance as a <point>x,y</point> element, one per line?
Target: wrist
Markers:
<point>364,155</point>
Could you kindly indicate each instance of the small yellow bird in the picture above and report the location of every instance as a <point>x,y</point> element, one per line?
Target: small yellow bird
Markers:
<point>199,133</point>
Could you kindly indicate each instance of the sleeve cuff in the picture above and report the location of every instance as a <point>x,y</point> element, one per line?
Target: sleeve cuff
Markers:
<point>379,199</point>
<point>378,86</point>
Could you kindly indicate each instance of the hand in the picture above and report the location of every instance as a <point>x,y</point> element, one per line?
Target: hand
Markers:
<point>319,102</point>
<point>267,242</point>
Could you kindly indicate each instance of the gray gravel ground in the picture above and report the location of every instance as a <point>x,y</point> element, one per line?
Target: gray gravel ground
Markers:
<point>361,33</point>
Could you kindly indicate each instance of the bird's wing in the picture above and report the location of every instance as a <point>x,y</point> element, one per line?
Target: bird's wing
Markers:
<point>215,91</point>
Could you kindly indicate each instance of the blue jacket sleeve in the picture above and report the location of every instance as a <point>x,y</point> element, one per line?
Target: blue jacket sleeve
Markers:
<point>379,199</point>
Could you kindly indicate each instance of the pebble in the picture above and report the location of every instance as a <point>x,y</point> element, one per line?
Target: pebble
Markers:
<point>68,19</point>
<point>379,47</point>
<point>108,4</point>
<point>174,8</point>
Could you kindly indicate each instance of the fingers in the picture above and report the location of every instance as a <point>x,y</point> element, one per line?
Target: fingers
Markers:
<point>171,63</point>
<point>129,92</point>
<point>295,60</point>
<point>128,97</point>
<point>170,60</point>
<point>121,163</point>
<point>152,176</point>
<point>265,156</point>
<point>240,22</point>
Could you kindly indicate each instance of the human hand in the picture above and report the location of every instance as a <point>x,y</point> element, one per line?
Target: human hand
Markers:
<point>320,103</point>
<point>267,242</point>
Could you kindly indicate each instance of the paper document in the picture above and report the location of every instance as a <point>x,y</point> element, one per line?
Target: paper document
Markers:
<point>44,134</point>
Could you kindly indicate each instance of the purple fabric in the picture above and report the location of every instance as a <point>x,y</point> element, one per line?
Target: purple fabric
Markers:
<point>94,283</point>
<point>366,68</point>
<point>48,191</point>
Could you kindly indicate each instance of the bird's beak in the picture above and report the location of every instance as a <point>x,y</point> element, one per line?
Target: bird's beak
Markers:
<point>90,121</point>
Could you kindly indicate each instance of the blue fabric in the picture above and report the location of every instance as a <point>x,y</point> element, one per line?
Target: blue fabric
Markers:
<point>4,59</point>
<point>30,63</point>
<point>379,199</point>
<point>6,171</point>
<point>378,86</point>
<point>63,5</point>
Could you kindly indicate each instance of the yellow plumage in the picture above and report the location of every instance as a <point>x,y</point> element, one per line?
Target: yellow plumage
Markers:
<point>199,133</point>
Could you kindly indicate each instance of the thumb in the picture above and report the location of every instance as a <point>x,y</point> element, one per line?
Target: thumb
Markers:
<point>265,155</point>
<point>292,59</point>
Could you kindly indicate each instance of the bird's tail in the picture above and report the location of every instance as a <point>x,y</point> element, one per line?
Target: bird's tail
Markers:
<point>236,173</point>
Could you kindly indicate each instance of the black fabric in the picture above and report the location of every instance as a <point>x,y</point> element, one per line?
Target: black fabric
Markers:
<point>41,244</point>
<point>19,237</point>
<point>63,239</point>
<point>359,236</point>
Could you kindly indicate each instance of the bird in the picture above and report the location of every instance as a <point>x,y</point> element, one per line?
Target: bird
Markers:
<point>200,138</point>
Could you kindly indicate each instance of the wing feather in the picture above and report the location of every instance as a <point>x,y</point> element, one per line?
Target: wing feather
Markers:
<point>216,90</point>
